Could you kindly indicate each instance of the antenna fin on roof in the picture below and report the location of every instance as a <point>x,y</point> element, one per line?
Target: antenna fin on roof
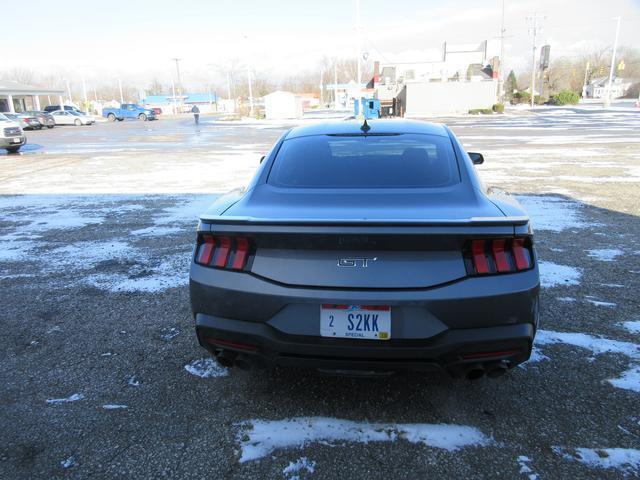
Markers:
<point>365,126</point>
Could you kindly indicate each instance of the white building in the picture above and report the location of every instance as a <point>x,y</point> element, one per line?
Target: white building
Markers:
<point>282,105</point>
<point>597,87</point>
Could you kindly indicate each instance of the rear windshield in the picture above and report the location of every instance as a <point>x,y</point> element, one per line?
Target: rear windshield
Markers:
<point>359,161</point>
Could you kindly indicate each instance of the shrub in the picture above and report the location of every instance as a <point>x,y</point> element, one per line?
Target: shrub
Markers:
<point>484,111</point>
<point>565,97</point>
<point>498,108</point>
<point>521,97</point>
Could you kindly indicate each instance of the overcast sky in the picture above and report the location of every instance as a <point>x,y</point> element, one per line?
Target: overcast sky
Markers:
<point>283,37</point>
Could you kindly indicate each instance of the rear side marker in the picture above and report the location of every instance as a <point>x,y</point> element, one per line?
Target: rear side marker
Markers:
<point>225,252</point>
<point>498,255</point>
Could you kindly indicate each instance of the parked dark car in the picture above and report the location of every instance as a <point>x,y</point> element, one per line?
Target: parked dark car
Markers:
<point>45,118</point>
<point>367,248</point>
<point>27,122</point>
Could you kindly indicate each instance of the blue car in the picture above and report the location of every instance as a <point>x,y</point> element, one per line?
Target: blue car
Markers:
<point>129,110</point>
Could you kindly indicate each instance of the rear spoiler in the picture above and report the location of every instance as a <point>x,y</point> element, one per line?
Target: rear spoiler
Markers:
<point>484,221</point>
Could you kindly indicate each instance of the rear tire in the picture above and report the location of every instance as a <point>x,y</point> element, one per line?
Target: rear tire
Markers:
<point>142,117</point>
<point>13,149</point>
<point>51,126</point>
<point>111,117</point>
<point>77,123</point>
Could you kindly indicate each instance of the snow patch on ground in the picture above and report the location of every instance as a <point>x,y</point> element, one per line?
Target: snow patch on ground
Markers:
<point>630,378</point>
<point>303,464</point>
<point>525,469</point>
<point>179,217</point>
<point>73,398</point>
<point>172,272</point>
<point>599,303</point>
<point>259,438</point>
<point>633,326</point>
<point>552,213</point>
<point>206,368</point>
<point>114,406</point>
<point>553,274</point>
<point>626,460</point>
<point>68,462</point>
<point>605,254</point>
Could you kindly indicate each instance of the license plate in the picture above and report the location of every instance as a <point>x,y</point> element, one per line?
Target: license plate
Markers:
<point>362,322</point>
<point>15,140</point>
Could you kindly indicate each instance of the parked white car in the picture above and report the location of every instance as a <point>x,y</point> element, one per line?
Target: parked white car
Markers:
<point>68,117</point>
<point>11,135</point>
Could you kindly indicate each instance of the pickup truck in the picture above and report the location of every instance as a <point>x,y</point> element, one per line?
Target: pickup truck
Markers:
<point>128,110</point>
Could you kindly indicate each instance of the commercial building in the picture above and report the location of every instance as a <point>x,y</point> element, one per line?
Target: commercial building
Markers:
<point>19,97</point>
<point>463,79</point>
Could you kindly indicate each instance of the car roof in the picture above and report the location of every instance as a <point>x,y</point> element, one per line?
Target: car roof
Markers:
<point>353,127</point>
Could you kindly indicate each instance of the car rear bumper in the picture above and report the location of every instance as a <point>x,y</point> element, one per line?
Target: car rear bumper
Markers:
<point>446,327</point>
<point>452,350</point>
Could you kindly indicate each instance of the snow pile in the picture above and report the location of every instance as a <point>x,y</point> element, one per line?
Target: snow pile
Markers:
<point>627,460</point>
<point>68,463</point>
<point>630,378</point>
<point>114,406</point>
<point>552,274</point>
<point>259,438</point>
<point>206,368</point>
<point>605,254</point>
<point>301,465</point>
<point>552,213</point>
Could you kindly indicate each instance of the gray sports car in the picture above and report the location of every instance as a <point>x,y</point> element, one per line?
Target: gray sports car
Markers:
<point>367,248</point>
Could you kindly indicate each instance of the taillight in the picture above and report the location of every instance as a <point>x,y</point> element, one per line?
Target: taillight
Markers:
<point>223,251</point>
<point>498,255</point>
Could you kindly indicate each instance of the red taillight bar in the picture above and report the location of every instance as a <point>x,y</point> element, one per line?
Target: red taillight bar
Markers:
<point>205,253</point>
<point>241,253</point>
<point>500,256</point>
<point>479,258</point>
<point>222,253</point>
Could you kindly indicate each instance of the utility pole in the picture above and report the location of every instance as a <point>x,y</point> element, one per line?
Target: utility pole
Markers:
<point>501,72</point>
<point>249,77</point>
<point>335,84</point>
<point>584,83</point>
<point>177,60</point>
<point>534,29</point>
<point>358,45</point>
<point>607,97</point>
<point>321,87</point>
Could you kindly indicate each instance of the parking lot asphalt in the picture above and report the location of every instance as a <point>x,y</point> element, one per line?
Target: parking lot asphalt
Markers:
<point>103,378</point>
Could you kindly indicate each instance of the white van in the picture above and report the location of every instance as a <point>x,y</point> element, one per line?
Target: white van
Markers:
<point>11,135</point>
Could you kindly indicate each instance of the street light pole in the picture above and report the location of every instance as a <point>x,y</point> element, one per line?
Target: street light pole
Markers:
<point>121,95</point>
<point>177,60</point>
<point>501,64</point>
<point>535,29</point>
<point>607,98</point>
<point>358,45</point>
